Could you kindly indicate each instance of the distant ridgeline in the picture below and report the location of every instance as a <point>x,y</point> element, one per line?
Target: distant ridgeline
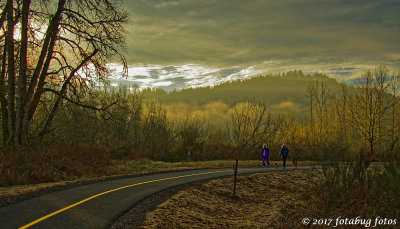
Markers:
<point>278,91</point>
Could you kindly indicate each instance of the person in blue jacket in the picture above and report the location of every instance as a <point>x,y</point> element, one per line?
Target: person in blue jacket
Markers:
<point>265,154</point>
<point>284,154</point>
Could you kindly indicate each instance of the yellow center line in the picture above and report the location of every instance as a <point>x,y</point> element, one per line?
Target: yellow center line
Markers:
<point>113,190</point>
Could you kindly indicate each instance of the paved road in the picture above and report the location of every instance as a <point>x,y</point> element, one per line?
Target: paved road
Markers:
<point>98,205</point>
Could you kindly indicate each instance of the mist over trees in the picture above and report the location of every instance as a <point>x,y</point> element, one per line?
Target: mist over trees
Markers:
<point>356,119</point>
<point>269,88</point>
<point>54,91</point>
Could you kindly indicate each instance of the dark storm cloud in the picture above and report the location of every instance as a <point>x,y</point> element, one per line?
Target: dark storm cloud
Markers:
<point>238,33</point>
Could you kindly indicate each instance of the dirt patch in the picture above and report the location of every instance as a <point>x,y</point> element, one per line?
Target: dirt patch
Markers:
<point>268,200</point>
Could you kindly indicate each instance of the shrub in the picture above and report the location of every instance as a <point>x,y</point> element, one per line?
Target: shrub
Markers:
<point>47,164</point>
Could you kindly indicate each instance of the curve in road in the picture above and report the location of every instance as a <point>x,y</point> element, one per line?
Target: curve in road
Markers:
<point>97,205</point>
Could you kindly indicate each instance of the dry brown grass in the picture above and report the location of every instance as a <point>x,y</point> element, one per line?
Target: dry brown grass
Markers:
<point>61,163</point>
<point>268,200</point>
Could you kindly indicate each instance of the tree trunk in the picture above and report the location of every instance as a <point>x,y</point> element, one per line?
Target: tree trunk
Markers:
<point>21,88</point>
<point>44,52</point>
<point>10,71</point>
<point>371,149</point>
<point>40,70</point>
<point>62,92</point>
<point>52,32</point>
<point>3,100</point>
<point>235,178</point>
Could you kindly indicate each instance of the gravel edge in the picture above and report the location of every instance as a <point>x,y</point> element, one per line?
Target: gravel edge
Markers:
<point>136,215</point>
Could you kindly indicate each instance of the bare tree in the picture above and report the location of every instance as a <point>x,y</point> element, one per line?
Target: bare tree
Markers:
<point>251,125</point>
<point>156,131</point>
<point>190,132</point>
<point>394,86</point>
<point>381,74</point>
<point>321,99</point>
<point>62,46</point>
<point>366,109</point>
<point>310,94</point>
<point>341,112</point>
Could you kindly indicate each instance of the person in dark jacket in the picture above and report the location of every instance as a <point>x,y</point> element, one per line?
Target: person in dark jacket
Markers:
<point>265,154</point>
<point>284,154</point>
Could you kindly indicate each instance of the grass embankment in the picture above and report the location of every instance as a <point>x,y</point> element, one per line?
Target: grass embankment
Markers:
<point>283,199</point>
<point>267,200</point>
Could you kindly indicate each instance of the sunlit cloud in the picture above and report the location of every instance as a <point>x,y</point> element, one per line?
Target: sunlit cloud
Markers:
<point>175,44</point>
<point>311,35</point>
<point>178,76</point>
<point>170,77</point>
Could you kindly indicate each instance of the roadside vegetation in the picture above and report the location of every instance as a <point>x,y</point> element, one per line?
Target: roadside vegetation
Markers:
<point>73,163</point>
<point>355,190</point>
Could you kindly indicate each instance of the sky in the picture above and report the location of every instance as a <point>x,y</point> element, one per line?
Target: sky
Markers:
<point>184,43</point>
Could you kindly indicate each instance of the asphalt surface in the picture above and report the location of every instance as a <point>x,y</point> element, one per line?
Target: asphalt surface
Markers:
<point>98,205</point>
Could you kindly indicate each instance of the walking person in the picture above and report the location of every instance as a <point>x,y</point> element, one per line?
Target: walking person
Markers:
<point>284,154</point>
<point>265,154</point>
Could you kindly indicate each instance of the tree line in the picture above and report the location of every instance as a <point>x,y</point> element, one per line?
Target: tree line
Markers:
<point>359,120</point>
<point>53,91</point>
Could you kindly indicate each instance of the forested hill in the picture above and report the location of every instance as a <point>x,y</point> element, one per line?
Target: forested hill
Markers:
<point>271,89</point>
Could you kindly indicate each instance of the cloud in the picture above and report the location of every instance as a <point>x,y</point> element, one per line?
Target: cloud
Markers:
<point>170,77</point>
<point>242,33</point>
<point>167,4</point>
<point>209,41</point>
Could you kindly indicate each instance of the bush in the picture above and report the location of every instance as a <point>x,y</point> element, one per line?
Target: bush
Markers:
<point>45,164</point>
<point>356,189</point>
